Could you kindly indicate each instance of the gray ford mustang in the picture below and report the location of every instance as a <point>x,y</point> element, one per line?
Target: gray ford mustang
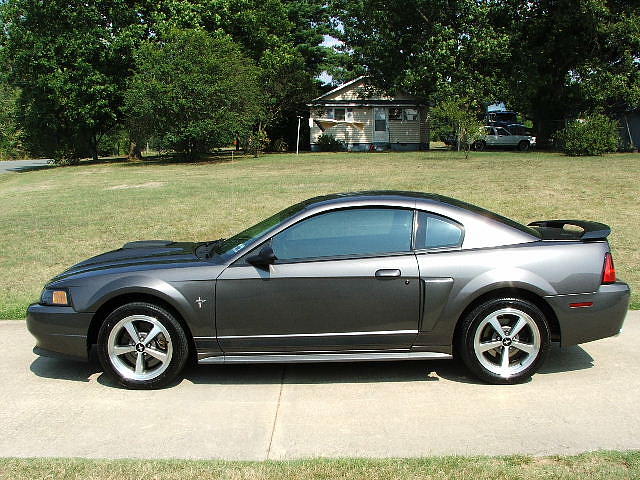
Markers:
<point>356,276</point>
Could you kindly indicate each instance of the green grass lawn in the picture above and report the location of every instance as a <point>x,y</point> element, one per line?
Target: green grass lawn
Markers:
<point>598,465</point>
<point>53,218</point>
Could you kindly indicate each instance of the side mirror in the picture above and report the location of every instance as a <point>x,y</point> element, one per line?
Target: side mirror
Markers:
<point>263,259</point>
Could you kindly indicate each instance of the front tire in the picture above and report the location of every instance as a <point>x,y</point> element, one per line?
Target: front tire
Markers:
<point>524,146</point>
<point>504,340</point>
<point>142,346</point>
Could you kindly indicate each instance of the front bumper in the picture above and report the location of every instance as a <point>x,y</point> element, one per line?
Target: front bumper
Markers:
<point>59,331</point>
<point>604,318</point>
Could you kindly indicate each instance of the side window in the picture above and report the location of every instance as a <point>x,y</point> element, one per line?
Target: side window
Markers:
<point>395,114</point>
<point>437,232</point>
<point>357,231</point>
<point>349,115</point>
<point>410,114</point>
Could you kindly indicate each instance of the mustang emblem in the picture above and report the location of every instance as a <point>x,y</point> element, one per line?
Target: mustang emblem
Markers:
<point>200,301</point>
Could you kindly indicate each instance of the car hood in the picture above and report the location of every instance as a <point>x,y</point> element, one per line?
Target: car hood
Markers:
<point>138,255</point>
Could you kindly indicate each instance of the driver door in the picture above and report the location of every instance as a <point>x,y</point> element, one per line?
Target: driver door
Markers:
<point>344,280</point>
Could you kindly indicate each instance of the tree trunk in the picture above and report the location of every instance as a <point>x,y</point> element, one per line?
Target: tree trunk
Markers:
<point>135,153</point>
<point>94,148</point>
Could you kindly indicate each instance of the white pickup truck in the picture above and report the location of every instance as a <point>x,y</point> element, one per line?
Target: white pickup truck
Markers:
<point>501,137</point>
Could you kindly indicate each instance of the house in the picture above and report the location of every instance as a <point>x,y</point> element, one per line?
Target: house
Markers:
<point>630,129</point>
<point>366,119</point>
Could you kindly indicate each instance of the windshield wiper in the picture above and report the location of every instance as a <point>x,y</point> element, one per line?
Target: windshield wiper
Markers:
<point>211,245</point>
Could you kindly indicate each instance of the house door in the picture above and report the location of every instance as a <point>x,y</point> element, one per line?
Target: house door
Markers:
<point>380,125</point>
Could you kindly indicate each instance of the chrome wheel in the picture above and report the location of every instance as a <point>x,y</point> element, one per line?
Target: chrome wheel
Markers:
<point>139,347</point>
<point>507,342</point>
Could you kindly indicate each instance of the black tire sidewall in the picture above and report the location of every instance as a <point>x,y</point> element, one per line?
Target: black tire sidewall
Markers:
<point>524,146</point>
<point>178,340</point>
<point>471,322</point>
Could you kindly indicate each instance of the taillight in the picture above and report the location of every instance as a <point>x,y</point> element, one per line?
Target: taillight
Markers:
<point>609,272</point>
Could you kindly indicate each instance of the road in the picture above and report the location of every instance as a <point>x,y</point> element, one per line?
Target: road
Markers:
<point>21,165</point>
<point>584,398</point>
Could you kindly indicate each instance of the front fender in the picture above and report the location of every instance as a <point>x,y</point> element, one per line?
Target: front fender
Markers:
<point>137,284</point>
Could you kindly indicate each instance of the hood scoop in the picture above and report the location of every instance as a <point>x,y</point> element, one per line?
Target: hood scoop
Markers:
<point>148,244</point>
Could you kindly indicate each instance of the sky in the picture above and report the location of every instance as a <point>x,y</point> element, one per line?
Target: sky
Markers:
<point>329,41</point>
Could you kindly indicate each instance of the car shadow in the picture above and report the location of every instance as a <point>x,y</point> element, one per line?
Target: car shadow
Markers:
<point>566,359</point>
<point>559,360</point>
<point>63,369</point>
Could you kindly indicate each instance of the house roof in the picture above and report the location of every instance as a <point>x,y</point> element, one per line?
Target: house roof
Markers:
<point>338,88</point>
<point>389,101</point>
<point>368,103</point>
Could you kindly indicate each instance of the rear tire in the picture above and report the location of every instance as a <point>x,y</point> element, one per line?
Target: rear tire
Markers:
<point>142,346</point>
<point>479,145</point>
<point>504,340</point>
<point>524,146</point>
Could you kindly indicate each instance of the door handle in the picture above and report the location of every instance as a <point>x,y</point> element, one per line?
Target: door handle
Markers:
<point>388,273</point>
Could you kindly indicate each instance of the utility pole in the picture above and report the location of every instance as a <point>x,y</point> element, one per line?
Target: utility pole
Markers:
<point>298,138</point>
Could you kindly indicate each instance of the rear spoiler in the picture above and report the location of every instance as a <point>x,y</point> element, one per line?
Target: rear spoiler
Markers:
<point>554,230</point>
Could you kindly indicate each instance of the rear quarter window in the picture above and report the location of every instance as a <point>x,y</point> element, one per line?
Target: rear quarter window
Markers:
<point>434,231</point>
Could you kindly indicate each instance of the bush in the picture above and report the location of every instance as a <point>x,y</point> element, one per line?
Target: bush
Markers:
<point>328,143</point>
<point>279,145</point>
<point>255,143</point>
<point>592,135</point>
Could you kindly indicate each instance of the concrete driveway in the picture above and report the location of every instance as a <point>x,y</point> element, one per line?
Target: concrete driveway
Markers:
<point>22,165</point>
<point>585,398</point>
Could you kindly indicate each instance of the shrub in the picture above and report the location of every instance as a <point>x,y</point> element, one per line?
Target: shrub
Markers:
<point>279,145</point>
<point>592,135</point>
<point>255,143</point>
<point>328,143</point>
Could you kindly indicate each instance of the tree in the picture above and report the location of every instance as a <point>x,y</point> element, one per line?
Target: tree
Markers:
<point>460,116</point>
<point>551,59</point>
<point>71,60</point>
<point>193,90</point>
<point>10,134</point>
<point>571,57</point>
<point>282,36</point>
<point>433,49</point>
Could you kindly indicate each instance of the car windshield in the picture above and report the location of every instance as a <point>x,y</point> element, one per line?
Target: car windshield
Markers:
<point>232,245</point>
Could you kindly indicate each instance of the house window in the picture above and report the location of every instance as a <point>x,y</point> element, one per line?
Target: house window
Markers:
<point>380,120</point>
<point>410,114</point>
<point>340,114</point>
<point>395,114</point>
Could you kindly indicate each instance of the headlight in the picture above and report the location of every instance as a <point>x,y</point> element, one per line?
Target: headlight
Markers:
<point>55,296</point>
